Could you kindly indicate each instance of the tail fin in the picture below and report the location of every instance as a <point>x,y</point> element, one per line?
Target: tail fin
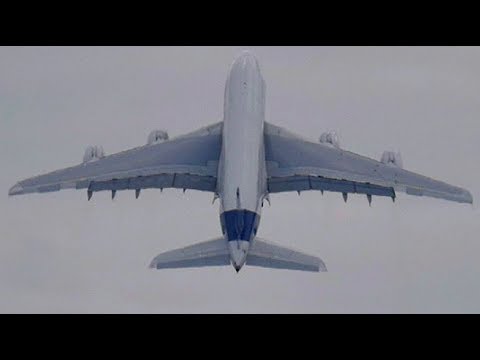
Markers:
<point>267,254</point>
<point>208,253</point>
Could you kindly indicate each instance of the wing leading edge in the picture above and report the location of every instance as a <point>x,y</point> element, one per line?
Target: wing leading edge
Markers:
<point>295,164</point>
<point>189,162</point>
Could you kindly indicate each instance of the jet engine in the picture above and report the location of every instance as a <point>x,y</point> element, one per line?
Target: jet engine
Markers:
<point>157,136</point>
<point>392,158</point>
<point>93,153</point>
<point>330,139</point>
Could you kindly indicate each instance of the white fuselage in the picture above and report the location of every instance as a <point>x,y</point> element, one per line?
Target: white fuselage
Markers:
<point>242,175</point>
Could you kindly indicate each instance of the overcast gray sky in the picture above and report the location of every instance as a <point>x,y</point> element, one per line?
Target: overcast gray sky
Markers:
<point>60,253</point>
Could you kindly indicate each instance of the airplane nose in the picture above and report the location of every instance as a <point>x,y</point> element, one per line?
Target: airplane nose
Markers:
<point>246,60</point>
<point>238,253</point>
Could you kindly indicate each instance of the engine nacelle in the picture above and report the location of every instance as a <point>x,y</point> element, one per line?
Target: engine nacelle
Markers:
<point>157,136</point>
<point>330,138</point>
<point>93,153</point>
<point>392,158</point>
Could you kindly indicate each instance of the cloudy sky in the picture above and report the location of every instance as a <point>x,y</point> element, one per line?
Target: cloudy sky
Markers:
<point>60,253</point>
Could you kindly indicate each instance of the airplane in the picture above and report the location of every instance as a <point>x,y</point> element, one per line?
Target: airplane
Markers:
<point>241,161</point>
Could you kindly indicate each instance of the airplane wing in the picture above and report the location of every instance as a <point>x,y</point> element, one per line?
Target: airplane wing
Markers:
<point>186,162</point>
<point>295,164</point>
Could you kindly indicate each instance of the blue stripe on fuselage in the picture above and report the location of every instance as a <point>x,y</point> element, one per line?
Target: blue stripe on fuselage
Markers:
<point>239,224</point>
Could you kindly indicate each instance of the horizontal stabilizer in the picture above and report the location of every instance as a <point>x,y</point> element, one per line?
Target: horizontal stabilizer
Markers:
<point>209,253</point>
<point>267,254</point>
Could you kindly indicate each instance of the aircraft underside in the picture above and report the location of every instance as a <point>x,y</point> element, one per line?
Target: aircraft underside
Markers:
<point>241,160</point>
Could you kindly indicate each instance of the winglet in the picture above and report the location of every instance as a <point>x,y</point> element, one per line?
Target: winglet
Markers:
<point>468,197</point>
<point>17,189</point>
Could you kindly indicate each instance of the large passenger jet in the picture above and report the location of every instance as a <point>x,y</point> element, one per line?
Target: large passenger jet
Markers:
<point>241,161</point>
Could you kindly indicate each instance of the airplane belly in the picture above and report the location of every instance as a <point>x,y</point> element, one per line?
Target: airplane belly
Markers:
<point>242,143</point>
